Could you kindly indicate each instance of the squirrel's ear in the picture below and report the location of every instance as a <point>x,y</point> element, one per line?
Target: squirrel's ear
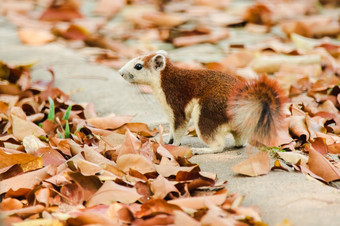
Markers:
<point>158,62</point>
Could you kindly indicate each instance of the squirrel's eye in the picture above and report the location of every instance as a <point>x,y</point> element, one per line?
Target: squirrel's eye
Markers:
<point>138,67</point>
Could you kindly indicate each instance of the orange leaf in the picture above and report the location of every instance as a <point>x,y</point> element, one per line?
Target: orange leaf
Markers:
<point>322,167</point>
<point>26,180</point>
<point>111,192</point>
<point>35,37</point>
<point>199,201</point>
<point>136,162</point>
<point>109,122</point>
<point>23,128</point>
<point>258,164</point>
<point>26,161</point>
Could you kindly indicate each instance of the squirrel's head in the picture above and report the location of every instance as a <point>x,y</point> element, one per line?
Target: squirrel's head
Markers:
<point>144,69</point>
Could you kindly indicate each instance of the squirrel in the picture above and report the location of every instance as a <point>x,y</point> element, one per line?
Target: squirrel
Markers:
<point>218,103</point>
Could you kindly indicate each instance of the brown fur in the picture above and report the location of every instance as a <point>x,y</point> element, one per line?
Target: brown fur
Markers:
<point>211,87</point>
<point>220,97</point>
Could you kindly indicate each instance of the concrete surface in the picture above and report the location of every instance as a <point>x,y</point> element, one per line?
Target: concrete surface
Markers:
<point>280,195</point>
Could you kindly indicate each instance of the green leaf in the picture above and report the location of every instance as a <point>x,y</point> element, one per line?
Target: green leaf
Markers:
<point>60,135</point>
<point>67,113</point>
<point>67,130</point>
<point>51,114</point>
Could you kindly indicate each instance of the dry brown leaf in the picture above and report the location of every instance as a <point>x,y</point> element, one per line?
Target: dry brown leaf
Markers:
<point>161,187</point>
<point>271,64</point>
<point>139,128</point>
<point>64,10</point>
<point>32,144</point>
<point>293,157</point>
<point>258,164</point>
<point>120,213</point>
<point>157,206</point>
<point>136,162</point>
<point>10,204</point>
<point>35,37</point>
<point>109,122</point>
<point>131,145</point>
<point>313,26</point>
<point>26,161</point>
<point>90,218</point>
<point>161,19</point>
<point>334,148</point>
<point>197,39</point>
<point>111,192</point>
<point>22,128</point>
<point>24,211</point>
<point>182,218</point>
<point>322,167</point>
<point>109,8</point>
<point>200,201</point>
<point>298,127</point>
<point>27,180</point>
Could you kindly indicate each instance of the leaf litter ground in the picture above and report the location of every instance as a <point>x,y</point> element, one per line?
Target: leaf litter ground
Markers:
<point>77,168</point>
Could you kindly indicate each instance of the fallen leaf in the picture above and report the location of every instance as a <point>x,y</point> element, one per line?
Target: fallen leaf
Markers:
<point>157,206</point>
<point>200,201</point>
<point>161,187</point>
<point>35,37</point>
<point>322,167</point>
<point>182,218</point>
<point>109,122</point>
<point>293,157</point>
<point>10,204</point>
<point>258,164</point>
<point>196,39</point>
<point>136,162</point>
<point>25,181</point>
<point>109,8</point>
<point>26,161</point>
<point>65,10</point>
<point>23,128</point>
<point>111,192</point>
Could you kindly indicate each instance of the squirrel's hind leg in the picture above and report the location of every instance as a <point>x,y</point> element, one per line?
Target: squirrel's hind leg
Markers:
<point>240,139</point>
<point>215,141</point>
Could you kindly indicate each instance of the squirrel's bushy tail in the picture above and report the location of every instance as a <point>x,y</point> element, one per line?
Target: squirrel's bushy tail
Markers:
<point>256,108</point>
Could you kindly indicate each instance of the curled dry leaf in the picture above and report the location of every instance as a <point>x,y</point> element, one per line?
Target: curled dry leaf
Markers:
<point>258,164</point>
<point>109,122</point>
<point>27,180</point>
<point>157,206</point>
<point>293,157</point>
<point>182,218</point>
<point>111,192</point>
<point>197,39</point>
<point>10,204</point>
<point>161,187</point>
<point>272,64</point>
<point>35,37</point>
<point>32,144</point>
<point>322,167</point>
<point>27,162</point>
<point>313,26</point>
<point>139,128</point>
<point>200,201</point>
<point>109,8</point>
<point>298,127</point>
<point>65,10</point>
<point>22,128</point>
<point>136,162</point>
<point>131,145</point>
